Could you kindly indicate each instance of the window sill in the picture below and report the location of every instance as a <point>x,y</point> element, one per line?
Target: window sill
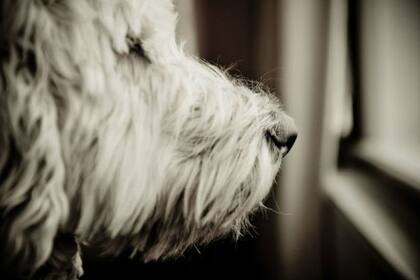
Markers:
<point>386,221</point>
<point>401,163</point>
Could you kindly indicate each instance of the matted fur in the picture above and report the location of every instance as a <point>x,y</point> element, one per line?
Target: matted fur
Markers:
<point>112,135</point>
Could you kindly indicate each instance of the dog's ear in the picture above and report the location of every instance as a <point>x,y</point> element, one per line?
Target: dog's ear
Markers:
<point>32,199</point>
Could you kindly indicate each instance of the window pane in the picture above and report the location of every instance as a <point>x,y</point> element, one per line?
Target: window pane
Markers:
<point>390,78</point>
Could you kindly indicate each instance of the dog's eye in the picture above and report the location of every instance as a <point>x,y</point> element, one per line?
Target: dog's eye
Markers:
<point>136,48</point>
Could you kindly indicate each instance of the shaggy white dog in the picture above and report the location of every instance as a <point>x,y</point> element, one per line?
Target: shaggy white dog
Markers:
<point>111,135</point>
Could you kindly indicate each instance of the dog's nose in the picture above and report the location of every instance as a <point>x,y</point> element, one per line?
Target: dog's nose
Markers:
<point>283,135</point>
<point>291,139</point>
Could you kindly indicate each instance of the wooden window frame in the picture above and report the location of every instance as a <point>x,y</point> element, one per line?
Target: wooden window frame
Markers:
<point>377,197</point>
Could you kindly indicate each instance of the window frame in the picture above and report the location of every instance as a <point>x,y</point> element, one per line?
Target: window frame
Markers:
<point>369,191</point>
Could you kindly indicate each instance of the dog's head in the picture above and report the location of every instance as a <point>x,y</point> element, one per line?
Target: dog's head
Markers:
<point>115,134</point>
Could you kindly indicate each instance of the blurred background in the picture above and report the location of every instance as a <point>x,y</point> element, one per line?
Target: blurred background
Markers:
<point>347,202</point>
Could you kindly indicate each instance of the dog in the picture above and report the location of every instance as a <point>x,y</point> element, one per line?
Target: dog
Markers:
<point>112,136</point>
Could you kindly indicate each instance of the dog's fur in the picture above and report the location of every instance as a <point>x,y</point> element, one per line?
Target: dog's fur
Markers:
<point>111,135</point>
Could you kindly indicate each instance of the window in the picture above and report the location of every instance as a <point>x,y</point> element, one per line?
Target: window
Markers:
<point>351,188</point>
<point>375,192</point>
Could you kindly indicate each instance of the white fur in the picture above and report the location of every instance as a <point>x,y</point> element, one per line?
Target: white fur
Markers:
<point>155,153</point>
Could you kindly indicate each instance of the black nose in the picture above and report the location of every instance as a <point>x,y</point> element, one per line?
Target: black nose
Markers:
<point>283,143</point>
<point>283,135</point>
<point>291,139</point>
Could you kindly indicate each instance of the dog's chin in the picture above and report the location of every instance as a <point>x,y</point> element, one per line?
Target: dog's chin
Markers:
<point>161,241</point>
<point>172,237</point>
<point>176,242</point>
<point>167,234</point>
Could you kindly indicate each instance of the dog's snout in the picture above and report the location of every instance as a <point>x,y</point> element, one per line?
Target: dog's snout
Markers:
<point>283,135</point>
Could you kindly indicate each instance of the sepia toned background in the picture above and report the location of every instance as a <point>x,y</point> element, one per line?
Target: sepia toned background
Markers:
<point>347,200</point>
